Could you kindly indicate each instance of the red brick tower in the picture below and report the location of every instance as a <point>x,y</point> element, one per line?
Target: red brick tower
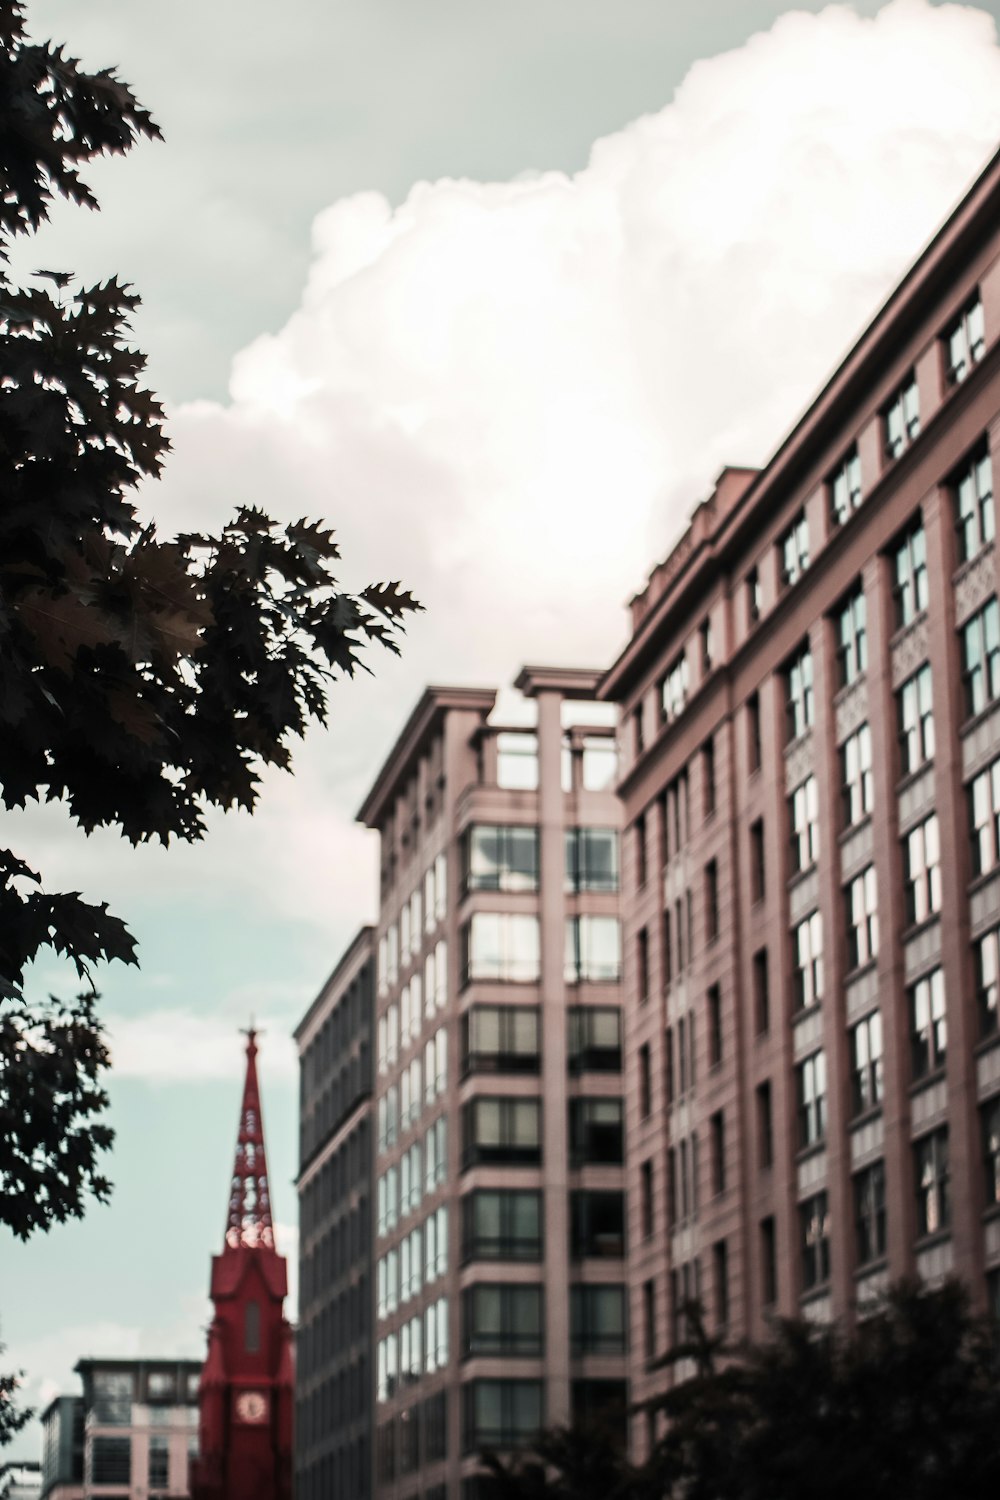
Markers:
<point>247,1383</point>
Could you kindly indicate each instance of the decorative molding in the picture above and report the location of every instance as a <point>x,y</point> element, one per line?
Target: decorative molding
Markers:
<point>916,799</point>
<point>909,650</point>
<point>866,1142</point>
<point>871,1288</point>
<point>935,1263</point>
<point>803,896</point>
<point>857,850</point>
<point>991,1241</point>
<point>922,951</point>
<point>807,1033</point>
<point>811,1174</point>
<point>818,1309</point>
<point>798,760</point>
<point>988,1071</point>
<point>929,1106</point>
<point>851,708</point>
<point>984,907</point>
<point>979,746</point>
<point>975,582</point>
<point>861,994</point>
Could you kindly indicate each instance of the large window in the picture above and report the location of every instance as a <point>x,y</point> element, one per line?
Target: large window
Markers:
<point>810,1088</point>
<point>931,1180</point>
<point>910,574</point>
<point>501,859</point>
<point>674,689</point>
<point>600,763</point>
<point>965,341</point>
<point>856,775</point>
<point>502,1224</point>
<point>981,657</point>
<point>984,810</point>
<point>504,1319</point>
<point>594,1041</point>
<point>804,811</point>
<point>799,699</point>
<point>869,1213</point>
<point>974,516</point>
<point>501,1039</point>
<point>591,859</point>
<point>866,1063</point>
<point>112,1405</point>
<point>597,1319</point>
<point>593,949</point>
<point>814,1241</point>
<point>793,550</point>
<point>111,1460</point>
<point>807,954</point>
<point>987,956</point>
<point>852,637</point>
<point>901,418</point>
<point>517,761</point>
<point>159,1461</point>
<point>596,1132</point>
<point>503,946</point>
<point>862,918</point>
<point>597,1225</point>
<point>503,1131</point>
<point>916,721</point>
<point>922,870</point>
<point>502,1413</point>
<point>845,488</point>
<point>928,1024</point>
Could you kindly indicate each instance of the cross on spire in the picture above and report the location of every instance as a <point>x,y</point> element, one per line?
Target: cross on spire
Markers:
<point>249,1223</point>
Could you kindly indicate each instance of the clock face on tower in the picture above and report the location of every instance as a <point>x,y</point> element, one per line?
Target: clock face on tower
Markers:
<point>251,1407</point>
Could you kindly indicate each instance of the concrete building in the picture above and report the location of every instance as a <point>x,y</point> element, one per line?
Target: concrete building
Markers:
<point>129,1437</point>
<point>811,789</point>
<point>20,1481</point>
<point>334,1365</point>
<point>499,1207</point>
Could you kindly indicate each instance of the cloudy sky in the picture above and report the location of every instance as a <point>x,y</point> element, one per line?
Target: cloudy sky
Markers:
<point>495,290</point>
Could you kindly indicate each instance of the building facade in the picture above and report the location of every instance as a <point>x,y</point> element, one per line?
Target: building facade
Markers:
<point>500,1298</point>
<point>811,787</point>
<point>335,1381</point>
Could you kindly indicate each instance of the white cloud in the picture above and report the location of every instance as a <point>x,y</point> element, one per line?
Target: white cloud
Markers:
<point>185,1046</point>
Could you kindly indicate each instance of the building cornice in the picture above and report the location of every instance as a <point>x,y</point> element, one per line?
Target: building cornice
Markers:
<point>434,702</point>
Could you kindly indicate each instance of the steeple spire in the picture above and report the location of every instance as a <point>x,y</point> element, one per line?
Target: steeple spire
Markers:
<point>249,1224</point>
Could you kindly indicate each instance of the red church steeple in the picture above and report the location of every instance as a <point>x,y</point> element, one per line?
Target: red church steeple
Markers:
<point>247,1383</point>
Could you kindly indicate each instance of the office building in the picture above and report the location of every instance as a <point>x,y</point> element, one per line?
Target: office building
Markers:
<point>810,703</point>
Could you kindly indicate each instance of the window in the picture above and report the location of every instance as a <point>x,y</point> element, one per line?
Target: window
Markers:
<point>981,658</point>
<point>501,1039</point>
<point>502,946</point>
<point>869,1213</point>
<point>974,516</point>
<point>909,588</point>
<point>674,690</point>
<point>600,763</point>
<point>640,832</point>
<point>501,1413</point>
<point>435,1068</point>
<point>810,1088</point>
<point>807,951</point>
<point>901,418</point>
<point>761,993</point>
<point>646,1199</point>
<point>753,733</point>
<point>502,1224</point>
<point>768,1262</point>
<point>793,551</point>
<point>714,1004</point>
<point>642,965</point>
<point>645,1082</point>
<point>597,1225</point>
<point>862,918</point>
<point>856,775</point>
<point>711,901</point>
<point>930,1175</point>
<point>685,1291</point>
<point>502,1319</point>
<point>436,1336</point>
<point>990,1115</point>
<point>596,1132</point>
<point>754,596</point>
<point>159,1461</point>
<point>720,1278</point>
<point>929,1024</point>
<point>111,1460</point>
<point>984,810</point>
<point>502,1131</point>
<point>845,488</point>
<point>965,341</point>
<point>597,1319</point>
<point>501,859</point>
<point>112,1406</point>
<point>517,762</point>
<point>916,721</point>
<point>639,736</point>
<point>765,1126</point>
<point>591,859</point>
<point>436,1154</point>
<point>594,1039</point>
<point>708,776</point>
<point>799,702</point>
<point>814,1241</point>
<point>705,640</point>
<point>866,1063</point>
<point>852,638</point>
<point>717,1144</point>
<point>922,870</point>
<point>987,955</point>
<point>593,949</point>
<point>804,810</point>
<point>675,815</point>
<point>758,868</point>
<point>649,1318</point>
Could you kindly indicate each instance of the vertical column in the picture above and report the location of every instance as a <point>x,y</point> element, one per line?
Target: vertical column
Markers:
<point>554,1114</point>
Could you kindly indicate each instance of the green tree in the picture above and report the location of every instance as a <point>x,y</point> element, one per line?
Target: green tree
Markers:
<point>142,681</point>
<point>907,1403</point>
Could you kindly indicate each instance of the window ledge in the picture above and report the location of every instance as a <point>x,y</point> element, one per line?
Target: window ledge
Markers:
<point>928,1241</point>
<point>864,1117</point>
<point>852,975</point>
<point>905,782</point>
<point>902,631</point>
<point>806,1153</point>
<point>871,1267</point>
<point>928,1080</point>
<point>846,834</point>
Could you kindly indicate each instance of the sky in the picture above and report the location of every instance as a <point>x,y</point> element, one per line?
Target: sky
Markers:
<point>496,291</point>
